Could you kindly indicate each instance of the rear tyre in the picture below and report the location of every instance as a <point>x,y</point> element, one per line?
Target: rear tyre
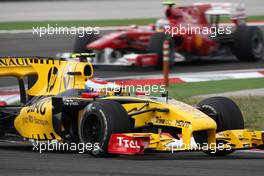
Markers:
<point>226,114</point>
<point>248,44</point>
<point>82,42</point>
<point>156,46</point>
<point>101,119</point>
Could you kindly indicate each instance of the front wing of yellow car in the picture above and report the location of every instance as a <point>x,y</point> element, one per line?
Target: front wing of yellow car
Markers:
<point>137,143</point>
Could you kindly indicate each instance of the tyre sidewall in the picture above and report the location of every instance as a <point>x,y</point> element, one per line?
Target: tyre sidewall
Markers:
<point>229,114</point>
<point>95,109</point>
<point>229,117</point>
<point>243,43</point>
<point>113,119</point>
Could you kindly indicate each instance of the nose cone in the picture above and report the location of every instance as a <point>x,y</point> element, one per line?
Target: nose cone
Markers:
<point>198,120</point>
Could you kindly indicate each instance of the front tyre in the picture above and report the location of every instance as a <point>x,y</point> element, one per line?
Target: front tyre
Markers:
<point>101,119</point>
<point>226,114</point>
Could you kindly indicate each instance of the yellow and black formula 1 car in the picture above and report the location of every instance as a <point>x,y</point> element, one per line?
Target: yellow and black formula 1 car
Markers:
<point>55,106</point>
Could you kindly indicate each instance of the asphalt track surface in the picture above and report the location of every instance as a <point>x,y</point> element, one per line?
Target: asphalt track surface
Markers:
<point>98,9</point>
<point>21,160</point>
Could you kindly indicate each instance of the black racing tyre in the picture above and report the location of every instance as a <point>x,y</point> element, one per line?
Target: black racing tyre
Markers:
<point>81,42</point>
<point>101,119</point>
<point>156,46</point>
<point>228,117</point>
<point>226,114</point>
<point>248,44</point>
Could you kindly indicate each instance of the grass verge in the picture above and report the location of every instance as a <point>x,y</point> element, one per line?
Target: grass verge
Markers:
<point>99,23</point>
<point>251,106</point>
<point>185,90</point>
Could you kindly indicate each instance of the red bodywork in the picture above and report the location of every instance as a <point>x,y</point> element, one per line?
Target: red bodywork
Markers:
<point>128,145</point>
<point>137,38</point>
<point>132,38</point>
<point>3,103</point>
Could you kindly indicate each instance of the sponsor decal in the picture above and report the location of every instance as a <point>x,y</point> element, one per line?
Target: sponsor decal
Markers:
<point>127,143</point>
<point>35,120</point>
<point>7,62</point>
<point>52,77</point>
<point>68,79</point>
<point>71,103</point>
<point>38,108</point>
<point>184,124</point>
<point>178,123</point>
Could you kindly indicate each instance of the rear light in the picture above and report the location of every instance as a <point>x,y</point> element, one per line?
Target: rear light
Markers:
<point>89,95</point>
<point>3,103</point>
<point>129,145</point>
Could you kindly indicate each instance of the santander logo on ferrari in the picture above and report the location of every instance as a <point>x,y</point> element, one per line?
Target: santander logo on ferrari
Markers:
<point>127,143</point>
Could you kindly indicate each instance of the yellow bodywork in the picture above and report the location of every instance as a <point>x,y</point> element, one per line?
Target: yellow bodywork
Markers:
<point>180,115</point>
<point>35,121</point>
<point>234,140</point>
<point>53,77</point>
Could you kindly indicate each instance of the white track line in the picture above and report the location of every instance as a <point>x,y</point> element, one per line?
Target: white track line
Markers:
<point>226,74</point>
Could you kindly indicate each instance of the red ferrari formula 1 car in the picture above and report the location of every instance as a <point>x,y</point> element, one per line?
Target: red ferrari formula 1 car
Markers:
<point>192,31</point>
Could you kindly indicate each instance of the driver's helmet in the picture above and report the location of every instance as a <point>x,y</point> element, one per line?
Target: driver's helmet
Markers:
<point>101,86</point>
<point>95,85</point>
<point>161,24</point>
